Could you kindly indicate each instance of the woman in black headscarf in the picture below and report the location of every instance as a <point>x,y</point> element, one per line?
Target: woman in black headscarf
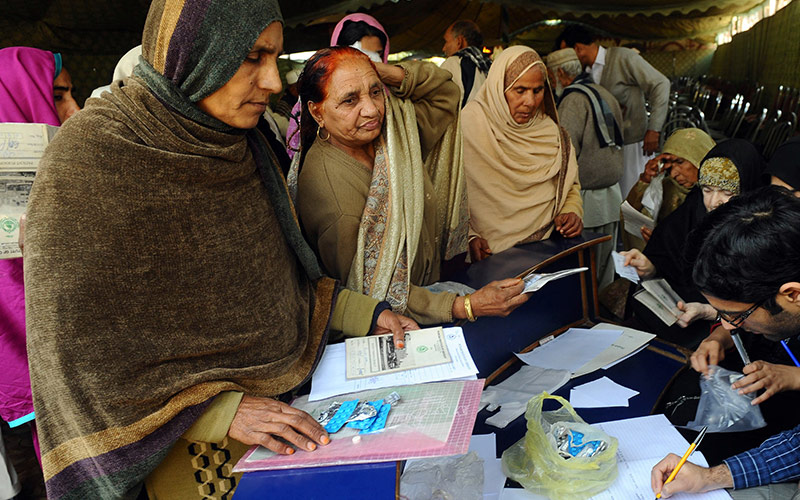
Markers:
<point>784,166</point>
<point>730,168</point>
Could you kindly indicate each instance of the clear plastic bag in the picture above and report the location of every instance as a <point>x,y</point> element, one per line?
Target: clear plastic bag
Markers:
<point>535,462</point>
<point>654,195</point>
<point>723,409</point>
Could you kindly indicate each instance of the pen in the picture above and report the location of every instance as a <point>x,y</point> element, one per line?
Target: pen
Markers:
<point>790,353</point>
<point>685,456</point>
<point>737,341</point>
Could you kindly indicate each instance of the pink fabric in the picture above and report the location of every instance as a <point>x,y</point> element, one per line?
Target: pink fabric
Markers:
<point>26,86</point>
<point>26,96</point>
<point>292,132</point>
<point>367,19</point>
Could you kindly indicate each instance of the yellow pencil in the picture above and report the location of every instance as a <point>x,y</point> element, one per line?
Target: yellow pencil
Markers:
<point>685,456</point>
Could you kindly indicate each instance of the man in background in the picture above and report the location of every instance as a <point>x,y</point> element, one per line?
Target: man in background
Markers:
<point>463,44</point>
<point>593,119</point>
<point>632,81</point>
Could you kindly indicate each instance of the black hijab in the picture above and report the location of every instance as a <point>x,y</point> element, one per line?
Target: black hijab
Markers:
<point>785,163</point>
<point>666,248</point>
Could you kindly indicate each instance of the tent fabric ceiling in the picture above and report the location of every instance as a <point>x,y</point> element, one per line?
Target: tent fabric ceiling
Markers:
<point>102,27</point>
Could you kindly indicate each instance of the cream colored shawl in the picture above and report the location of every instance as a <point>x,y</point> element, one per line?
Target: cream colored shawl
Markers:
<point>518,175</point>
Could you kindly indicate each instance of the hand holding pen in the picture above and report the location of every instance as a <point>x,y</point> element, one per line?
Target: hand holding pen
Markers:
<point>683,476</point>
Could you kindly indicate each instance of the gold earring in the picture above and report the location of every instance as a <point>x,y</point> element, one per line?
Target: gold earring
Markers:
<point>319,134</point>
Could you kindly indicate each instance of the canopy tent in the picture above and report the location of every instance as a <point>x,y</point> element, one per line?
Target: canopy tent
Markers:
<point>93,34</point>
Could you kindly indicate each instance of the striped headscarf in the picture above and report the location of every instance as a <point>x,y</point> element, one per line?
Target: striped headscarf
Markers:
<point>191,48</point>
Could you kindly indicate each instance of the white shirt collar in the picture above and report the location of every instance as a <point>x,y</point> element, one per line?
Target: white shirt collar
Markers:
<point>601,56</point>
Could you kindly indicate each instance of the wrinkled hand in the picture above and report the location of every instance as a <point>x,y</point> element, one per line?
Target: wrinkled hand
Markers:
<point>21,242</point>
<point>569,224</point>
<point>498,298</point>
<point>264,420</point>
<point>644,268</point>
<point>647,233</point>
<point>479,249</point>
<point>650,145</point>
<point>711,350</point>
<point>770,377</point>
<point>655,166</point>
<point>693,311</point>
<point>691,478</point>
<point>396,324</point>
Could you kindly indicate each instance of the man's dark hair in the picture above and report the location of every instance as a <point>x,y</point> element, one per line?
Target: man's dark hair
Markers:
<point>353,31</point>
<point>575,33</point>
<point>749,247</point>
<point>469,30</point>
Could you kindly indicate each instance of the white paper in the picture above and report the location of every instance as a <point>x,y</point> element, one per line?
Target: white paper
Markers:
<point>485,446</point>
<point>520,494</point>
<point>620,360</point>
<point>643,442</point>
<point>627,272</point>
<point>571,350</point>
<point>624,346</point>
<point>600,393</point>
<point>375,355</point>
<point>634,220</point>
<point>329,378</point>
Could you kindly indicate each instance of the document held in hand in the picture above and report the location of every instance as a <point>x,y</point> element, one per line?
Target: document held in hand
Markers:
<point>377,355</point>
<point>634,220</point>
<point>660,298</point>
<point>535,281</point>
<point>21,146</point>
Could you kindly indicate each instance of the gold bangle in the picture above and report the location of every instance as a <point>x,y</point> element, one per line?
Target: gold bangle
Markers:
<point>468,308</point>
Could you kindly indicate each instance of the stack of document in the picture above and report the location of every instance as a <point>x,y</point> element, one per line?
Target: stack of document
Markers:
<point>661,299</point>
<point>571,350</point>
<point>330,378</point>
<point>601,393</point>
<point>634,220</point>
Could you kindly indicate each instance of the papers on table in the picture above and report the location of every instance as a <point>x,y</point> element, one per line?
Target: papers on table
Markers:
<point>629,342</point>
<point>600,393</point>
<point>627,272</point>
<point>493,478</point>
<point>535,281</point>
<point>643,442</point>
<point>634,220</point>
<point>329,378</point>
<point>572,349</point>
<point>376,355</point>
<point>661,299</point>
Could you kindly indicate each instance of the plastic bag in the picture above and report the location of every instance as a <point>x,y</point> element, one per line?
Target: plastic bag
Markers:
<point>512,394</point>
<point>654,195</point>
<point>723,409</point>
<point>443,478</point>
<point>536,464</point>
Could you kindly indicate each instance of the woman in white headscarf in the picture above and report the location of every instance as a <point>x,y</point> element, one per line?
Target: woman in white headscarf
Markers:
<point>522,175</point>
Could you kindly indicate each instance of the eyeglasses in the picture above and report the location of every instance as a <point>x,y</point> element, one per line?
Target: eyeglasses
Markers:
<point>737,319</point>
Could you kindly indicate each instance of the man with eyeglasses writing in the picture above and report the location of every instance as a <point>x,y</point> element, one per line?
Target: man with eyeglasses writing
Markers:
<point>748,267</point>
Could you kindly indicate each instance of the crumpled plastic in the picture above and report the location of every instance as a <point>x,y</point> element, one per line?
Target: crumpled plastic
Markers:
<point>722,408</point>
<point>458,477</point>
<point>512,395</point>
<point>535,463</point>
<point>654,195</point>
